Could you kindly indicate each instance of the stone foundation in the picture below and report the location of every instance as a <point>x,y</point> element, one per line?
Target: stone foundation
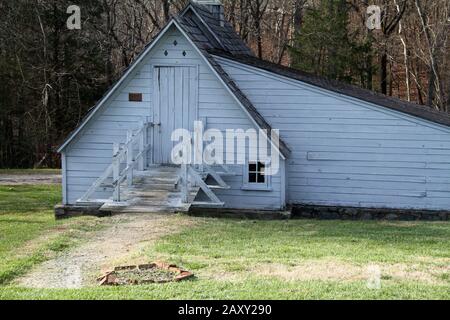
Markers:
<point>240,213</point>
<point>68,211</point>
<point>348,213</point>
<point>295,212</point>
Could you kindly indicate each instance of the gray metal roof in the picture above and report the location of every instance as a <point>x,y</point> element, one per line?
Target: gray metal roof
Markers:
<point>259,119</point>
<point>224,35</point>
<point>238,51</point>
<point>393,103</point>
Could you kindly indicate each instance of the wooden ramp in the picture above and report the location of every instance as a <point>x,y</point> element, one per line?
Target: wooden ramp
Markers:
<point>157,188</point>
<point>153,190</point>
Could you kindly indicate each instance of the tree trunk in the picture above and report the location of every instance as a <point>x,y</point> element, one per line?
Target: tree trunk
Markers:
<point>166,10</point>
<point>369,61</point>
<point>406,61</point>
<point>431,88</point>
<point>405,55</point>
<point>298,15</point>
<point>384,72</point>
<point>109,30</point>
<point>433,75</point>
<point>259,38</point>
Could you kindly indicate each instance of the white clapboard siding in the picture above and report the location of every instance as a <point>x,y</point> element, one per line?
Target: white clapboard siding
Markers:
<point>349,152</point>
<point>89,155</point>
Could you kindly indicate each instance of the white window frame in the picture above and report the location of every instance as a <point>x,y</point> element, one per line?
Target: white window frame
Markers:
<point>255,186</point>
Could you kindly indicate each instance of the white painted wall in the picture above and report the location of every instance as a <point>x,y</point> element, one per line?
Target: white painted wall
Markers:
<point>90,153</point>
<point>349,152</point>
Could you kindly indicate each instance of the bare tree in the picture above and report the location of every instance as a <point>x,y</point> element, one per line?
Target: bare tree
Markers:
<point>389,23</point>
<point>405,54</point>
<point>257,10</point>
<point>436,35</point>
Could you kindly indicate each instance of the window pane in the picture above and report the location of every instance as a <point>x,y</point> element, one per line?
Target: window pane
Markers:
<point>261,178</point>
<point>256,172</point>
<point>261,166</point>
<point>262,171</point>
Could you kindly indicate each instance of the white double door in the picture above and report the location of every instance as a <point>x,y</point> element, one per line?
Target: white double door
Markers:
<point>175,106</point>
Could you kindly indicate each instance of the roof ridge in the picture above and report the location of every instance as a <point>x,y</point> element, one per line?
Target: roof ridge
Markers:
<point>226,36</point>
<point>195,7</point>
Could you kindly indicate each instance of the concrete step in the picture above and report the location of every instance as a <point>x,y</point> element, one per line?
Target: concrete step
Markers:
<point>202,204</point>
<point>153,190</point>
<point>143,206</point>
<point>216,187</point>
<point>146,183</point>
<point>151,193</point>
<point>162,177</point>
<point>152,187</point>
<point>227,174</point>
<point>153,209</point>
<point>158,170</point>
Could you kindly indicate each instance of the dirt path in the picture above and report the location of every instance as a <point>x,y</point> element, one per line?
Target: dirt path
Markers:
<point>21,179</point>
<point>122,242</point>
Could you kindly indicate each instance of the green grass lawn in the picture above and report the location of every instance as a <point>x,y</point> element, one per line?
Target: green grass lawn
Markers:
<point>29,233</point>
<point>29,171</point>
<point>240,259</point>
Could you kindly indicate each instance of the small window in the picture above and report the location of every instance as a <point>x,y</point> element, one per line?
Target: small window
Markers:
<point>255,176</point>
<point>256,172</point>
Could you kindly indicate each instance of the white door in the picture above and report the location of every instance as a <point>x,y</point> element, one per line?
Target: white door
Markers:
<point>175,107</point>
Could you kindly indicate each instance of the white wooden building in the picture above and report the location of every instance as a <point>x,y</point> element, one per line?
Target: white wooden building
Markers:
<point>339,145</point>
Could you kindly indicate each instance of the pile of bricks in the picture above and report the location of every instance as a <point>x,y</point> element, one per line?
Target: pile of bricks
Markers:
<point>113,277</point>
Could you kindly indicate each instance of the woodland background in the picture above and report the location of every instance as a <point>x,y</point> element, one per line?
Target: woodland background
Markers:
<point>51,76</point>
